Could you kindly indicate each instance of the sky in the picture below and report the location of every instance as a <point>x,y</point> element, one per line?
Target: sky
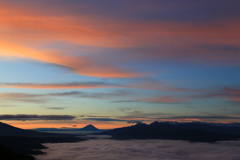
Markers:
<point>69,63</point>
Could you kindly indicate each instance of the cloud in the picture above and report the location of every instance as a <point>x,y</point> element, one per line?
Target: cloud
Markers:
<point>24,97</point>
<point>164,99</point>
<point>105,149</point>
<point>145,32</point>
<point>225,93</point>
<point>232,90</point>
<point>159,86</point>
<point>114,94</point>
<point>125,101</point>
<point>42,98</point>
<point>28,19</point>
<point>134,121</point>
<point>103,119</point>
<point>95,116</point>
<point>55,108</point>
<point>149,85</point>
<point>70,85</point>
<point>131,116</point>
<point>136,115</point>
<point>203,118</point>
<point>77,64</point>
<point>34,117</point>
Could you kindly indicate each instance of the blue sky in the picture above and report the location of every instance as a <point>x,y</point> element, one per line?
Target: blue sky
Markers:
<point>111,62</point>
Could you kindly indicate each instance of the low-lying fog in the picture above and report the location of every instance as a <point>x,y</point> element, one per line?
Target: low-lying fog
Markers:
<point>106,149</point>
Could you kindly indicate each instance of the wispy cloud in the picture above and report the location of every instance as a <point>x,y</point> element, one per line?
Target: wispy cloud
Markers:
<point>134,114</point>
<point>70,85</point>
<point>53,29</point>
<point>34,117</point>
<point>24,97</point>
<point>134,121</point>
<point>103,119</point>
<point>125,101</point>
<point>225,93</point>
<point>163,99</point>
<point>41,98</point>
<point>217,118</point>
<point>55,108</point>
<point>193,35</point>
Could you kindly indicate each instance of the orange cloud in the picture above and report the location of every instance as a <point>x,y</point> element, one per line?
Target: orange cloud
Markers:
<point>233,91</point>
<point>78,64</point>
<point>22,26</point>
<point>232,94</point>
<point>235,99</point>
<point>83,29</point>
<point>96,30</point>
<point>155,85</point>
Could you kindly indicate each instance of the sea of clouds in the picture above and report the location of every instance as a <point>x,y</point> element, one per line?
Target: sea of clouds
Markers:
<point>107,149</point>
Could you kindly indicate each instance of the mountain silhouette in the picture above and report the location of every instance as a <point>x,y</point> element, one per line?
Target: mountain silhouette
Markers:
<point>192,131</point>
<point>8,130</point>
<point>89,127</point>
<point>27,142</point>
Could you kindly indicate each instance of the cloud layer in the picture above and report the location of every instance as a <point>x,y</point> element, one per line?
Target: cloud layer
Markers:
<point>70,85</point>
<point>141,150</point>
<point>148,32</point>
<point>34,117</point>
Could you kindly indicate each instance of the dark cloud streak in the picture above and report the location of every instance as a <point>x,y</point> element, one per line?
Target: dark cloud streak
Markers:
<point>34,117</point>
<point>104,119</point>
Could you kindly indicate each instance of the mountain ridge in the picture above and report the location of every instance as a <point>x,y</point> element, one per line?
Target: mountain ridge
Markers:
<point>191,131</point>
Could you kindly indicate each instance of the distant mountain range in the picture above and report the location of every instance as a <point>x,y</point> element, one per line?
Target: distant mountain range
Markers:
<point>28,142</point>
<point>89,128</point>
<point>192,131</point>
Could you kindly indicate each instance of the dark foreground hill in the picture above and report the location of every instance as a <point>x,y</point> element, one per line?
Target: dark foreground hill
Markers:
<point>8,130</point>
<point>194,131</point>
<point>23,143</point>
<point>8,154</point>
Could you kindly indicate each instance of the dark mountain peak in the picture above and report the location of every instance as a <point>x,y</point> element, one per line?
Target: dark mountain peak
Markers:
<point>141,124</point>
<point>155,123</point>
<point>89,127</point>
